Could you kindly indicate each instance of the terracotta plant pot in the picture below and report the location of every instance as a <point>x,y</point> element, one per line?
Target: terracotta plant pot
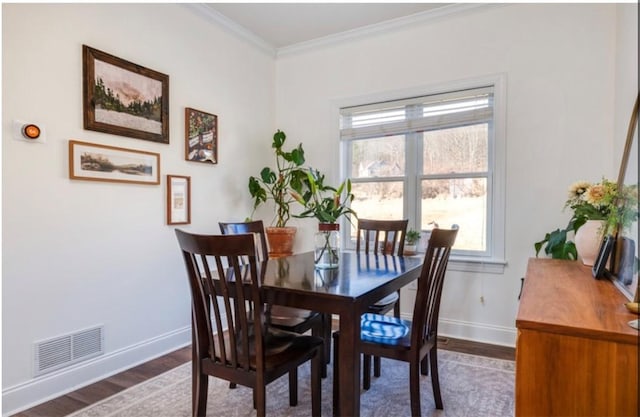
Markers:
<point>280,241</point>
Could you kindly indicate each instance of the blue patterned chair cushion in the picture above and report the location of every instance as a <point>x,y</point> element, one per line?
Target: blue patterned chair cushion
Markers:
<point>382,329</point>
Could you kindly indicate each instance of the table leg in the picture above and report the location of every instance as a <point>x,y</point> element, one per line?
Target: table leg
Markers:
<point>349,372</point>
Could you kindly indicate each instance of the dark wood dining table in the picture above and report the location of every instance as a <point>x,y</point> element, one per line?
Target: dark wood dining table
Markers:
<point>359,281</point>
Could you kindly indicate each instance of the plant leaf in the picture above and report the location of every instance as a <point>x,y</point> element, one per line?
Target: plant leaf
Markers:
<point>278,139</point>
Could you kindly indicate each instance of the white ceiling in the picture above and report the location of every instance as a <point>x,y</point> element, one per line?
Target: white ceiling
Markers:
<point>282,25</point>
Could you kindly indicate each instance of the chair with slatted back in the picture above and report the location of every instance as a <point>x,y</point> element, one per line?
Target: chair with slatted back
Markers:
<point>286,318</point>
<point>384,237</point>
<point>231,336</point>
<point>411,341</point>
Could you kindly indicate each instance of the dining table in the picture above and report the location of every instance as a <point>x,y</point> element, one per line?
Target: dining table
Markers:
<point>347,291</point>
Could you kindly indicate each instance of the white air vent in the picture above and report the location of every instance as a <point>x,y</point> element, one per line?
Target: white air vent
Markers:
<point>66,350</point>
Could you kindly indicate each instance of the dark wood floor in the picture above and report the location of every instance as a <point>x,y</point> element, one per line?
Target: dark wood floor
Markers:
<point>93,393</point>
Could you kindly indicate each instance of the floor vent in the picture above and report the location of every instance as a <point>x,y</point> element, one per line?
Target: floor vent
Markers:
<point>66,350</point>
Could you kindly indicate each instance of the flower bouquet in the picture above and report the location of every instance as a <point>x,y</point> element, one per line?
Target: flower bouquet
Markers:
<point>591,201</point>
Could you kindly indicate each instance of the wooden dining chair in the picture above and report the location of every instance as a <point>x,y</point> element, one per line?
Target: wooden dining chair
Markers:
<point>231,337</point>
<point>411,341</point>
<point>384,237</point>
<point>286,318</point>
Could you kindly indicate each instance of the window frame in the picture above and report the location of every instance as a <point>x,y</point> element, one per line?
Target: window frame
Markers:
<point>493,259</point>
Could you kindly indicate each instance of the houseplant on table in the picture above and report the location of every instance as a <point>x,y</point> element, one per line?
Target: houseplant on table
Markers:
<point>276,185</point>
<point>411,241</point>
<point>597,211</point>
<point>327,204</point>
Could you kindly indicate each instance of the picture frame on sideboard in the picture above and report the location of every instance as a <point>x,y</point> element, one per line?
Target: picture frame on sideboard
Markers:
<point>625,259</point>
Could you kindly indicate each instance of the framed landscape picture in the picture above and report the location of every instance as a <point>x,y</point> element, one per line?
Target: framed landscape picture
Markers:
<point>123,98</point>
<point>201,136</point>
<point>93,162</point>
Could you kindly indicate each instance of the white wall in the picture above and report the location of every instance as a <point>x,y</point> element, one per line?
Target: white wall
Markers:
<point>626,73</point>
<point>559,61</point>
<point>76,253</point>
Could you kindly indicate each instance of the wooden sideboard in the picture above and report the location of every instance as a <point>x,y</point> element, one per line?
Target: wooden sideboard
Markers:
<point>575,353</point>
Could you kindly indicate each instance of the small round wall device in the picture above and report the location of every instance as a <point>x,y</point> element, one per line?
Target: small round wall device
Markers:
<point>31,131</point>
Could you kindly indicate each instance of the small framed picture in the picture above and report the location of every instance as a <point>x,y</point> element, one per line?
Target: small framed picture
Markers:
<point>123,98</point>
<point>178,199</point>
<point>201,136</point>
<point>93,162</point>
<point>599,271</point>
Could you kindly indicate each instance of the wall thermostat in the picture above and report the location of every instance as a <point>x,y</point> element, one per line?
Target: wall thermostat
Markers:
<point>31,131</point>
<point>28,131</point>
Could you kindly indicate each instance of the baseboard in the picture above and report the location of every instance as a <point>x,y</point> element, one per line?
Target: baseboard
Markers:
<point>38,390</point>
<point>477,332</point>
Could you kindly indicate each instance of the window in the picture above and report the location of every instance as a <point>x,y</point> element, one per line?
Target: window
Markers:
<point>431,158</point>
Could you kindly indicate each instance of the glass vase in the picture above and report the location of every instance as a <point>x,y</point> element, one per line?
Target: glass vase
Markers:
<point>327,246</point>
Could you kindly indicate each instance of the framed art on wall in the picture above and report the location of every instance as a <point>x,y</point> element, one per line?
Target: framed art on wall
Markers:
<point>93,162</point>
<point>178,199</point>
<point>201,136</point>
<point>123,98</point>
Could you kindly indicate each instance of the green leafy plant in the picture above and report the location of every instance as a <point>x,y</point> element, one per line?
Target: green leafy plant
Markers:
<point>276,185</point>
<point>324,202</point>
<point>412,237</point>
<point>327,204</point>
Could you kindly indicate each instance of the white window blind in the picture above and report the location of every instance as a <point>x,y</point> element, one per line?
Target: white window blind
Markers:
<point>418,114</point>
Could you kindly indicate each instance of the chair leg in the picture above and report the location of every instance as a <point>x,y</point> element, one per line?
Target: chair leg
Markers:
<point>424,366</point>
<point>396,307</point>
<point>414,389</point>
<point>200,389</point>
<point>260,399</point>
<point>293,387</point>
<point>327,338</point>
<point>366,372</point>
<point>435,382</point>
<point>255,401</point>
<point>317,363</point>
<point>336,379</point>
<point>321,331</point>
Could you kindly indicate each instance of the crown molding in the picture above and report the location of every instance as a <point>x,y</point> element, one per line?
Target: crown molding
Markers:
<point>386,26</point>
<point>231,26</point>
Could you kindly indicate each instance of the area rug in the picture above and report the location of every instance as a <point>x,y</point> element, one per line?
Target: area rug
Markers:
<point>472,386</point>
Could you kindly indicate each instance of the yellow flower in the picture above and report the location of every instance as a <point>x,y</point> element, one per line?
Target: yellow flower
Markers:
<point>577,189</point>
<point>595,195</point>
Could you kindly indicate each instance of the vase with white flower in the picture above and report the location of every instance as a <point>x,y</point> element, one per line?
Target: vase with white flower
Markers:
<point>326,204</point>
<point>598,210</point>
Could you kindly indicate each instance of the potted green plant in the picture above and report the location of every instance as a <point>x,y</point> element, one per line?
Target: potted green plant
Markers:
<point>276,185</point>
<point>326,204</point>
<point>411,239</point>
